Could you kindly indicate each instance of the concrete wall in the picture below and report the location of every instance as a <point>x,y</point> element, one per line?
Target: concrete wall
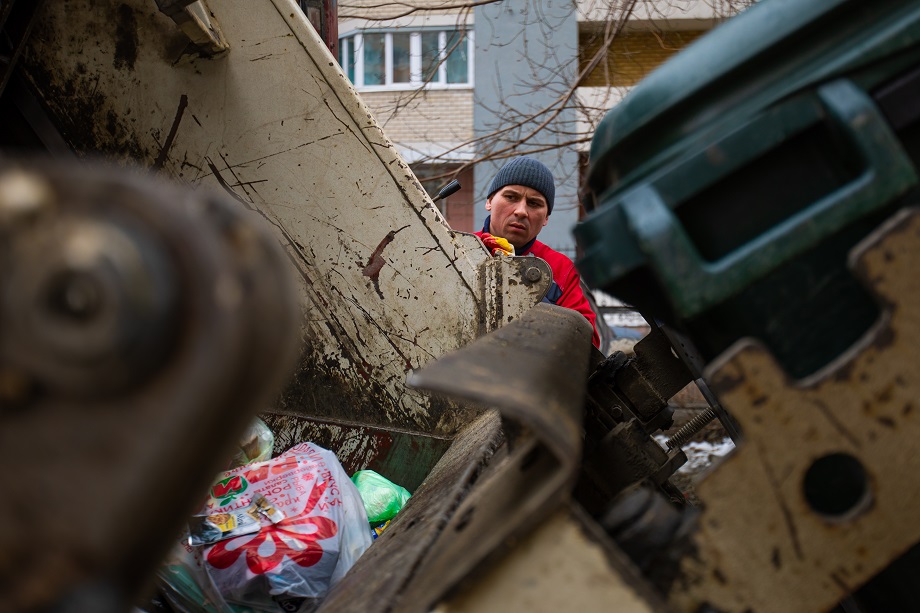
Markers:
<point>426,122</point>
<point>631,55</point>
<point>526,54</point>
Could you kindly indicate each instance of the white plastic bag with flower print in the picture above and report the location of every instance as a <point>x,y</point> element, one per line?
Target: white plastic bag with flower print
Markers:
<point>299,553</point>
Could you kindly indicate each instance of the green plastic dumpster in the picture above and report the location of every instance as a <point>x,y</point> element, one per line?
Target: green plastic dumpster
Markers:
<point>726,191</point>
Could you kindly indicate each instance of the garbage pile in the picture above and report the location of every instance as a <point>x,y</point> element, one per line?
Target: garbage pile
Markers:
<point>382,498</point>
<point>275,534</point>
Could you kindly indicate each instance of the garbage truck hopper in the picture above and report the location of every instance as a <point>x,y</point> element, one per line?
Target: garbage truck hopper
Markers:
<point>244,99</point>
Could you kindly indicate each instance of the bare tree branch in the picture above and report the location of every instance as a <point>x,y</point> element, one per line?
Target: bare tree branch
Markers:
<point>410,9</point>
<point>515,129</point>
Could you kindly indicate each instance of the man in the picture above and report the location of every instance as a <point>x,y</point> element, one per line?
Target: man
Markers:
<point>520,201</point>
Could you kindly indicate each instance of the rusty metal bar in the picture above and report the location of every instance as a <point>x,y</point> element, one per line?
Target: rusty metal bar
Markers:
<point>534,371</point>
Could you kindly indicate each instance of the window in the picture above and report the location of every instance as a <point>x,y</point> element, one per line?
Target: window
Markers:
<point>408,60</point>
<point>374,57</point>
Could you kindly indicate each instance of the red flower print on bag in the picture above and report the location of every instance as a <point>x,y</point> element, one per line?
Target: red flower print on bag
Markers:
<point>295,538</point>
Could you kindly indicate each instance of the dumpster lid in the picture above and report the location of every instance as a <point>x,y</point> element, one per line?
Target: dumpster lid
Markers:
<point>723,61</point>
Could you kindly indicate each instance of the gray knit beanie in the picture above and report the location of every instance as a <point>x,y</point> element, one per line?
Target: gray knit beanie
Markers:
<point>528,172</point>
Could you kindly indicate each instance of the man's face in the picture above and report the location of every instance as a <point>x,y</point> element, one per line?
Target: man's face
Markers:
<point>518,214</point>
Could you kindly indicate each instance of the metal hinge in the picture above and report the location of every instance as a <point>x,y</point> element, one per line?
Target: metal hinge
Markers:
<point>198,23</point>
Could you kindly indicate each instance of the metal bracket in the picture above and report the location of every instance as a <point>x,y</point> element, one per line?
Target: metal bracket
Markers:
<point>533,371</point>
<point>821,493</point>
<point>141,325</point>
<point>196,20</point>
<point>511,285</point>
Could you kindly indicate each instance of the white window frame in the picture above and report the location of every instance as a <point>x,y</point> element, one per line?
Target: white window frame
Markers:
<point>346,51</point>
<point>353,51</point>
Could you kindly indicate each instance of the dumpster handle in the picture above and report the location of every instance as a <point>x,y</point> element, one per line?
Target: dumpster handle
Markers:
<point>694,284</point>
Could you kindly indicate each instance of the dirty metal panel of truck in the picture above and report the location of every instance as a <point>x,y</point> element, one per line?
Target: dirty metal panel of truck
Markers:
<point>534,371</point>
<point>141,325</point>
<point>404,458</point>
<point>822,493</point>
<point>380,575</point>
<point>386,286</point>
<point>564,564</point>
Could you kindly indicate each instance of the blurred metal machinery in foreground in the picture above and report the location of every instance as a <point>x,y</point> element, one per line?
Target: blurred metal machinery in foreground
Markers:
<point>141,325</point>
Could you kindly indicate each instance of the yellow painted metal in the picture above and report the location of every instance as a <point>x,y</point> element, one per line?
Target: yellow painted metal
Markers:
<point>559,566</point>
<point>762,545</point>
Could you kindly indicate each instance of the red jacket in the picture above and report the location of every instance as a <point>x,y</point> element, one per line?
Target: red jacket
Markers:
<point>566,288</point>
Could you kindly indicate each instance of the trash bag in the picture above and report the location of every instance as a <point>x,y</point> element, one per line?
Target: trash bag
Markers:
<point>256,445</point>
<point>382,498</point>
<point>184,583</point>
<point>312,527</point>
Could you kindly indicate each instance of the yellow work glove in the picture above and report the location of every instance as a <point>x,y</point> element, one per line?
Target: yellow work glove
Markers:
<point>497,245</point>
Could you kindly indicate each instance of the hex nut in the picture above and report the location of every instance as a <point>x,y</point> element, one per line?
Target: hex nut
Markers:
<point>23,196</point>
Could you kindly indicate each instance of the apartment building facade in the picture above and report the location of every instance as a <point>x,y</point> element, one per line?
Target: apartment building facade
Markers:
<point>458,90</point>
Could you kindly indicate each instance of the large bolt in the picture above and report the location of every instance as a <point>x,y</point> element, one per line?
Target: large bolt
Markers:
<point>89,303</point>
<point>533,274</point>
<point>23,196</point>
<point>75,295</point>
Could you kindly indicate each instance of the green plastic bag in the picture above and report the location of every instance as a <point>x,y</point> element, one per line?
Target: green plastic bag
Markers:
<point>382,498</point>
<point>255,445</point>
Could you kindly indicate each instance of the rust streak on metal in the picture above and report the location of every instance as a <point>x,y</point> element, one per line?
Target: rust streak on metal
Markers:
<point>295,246</point>
<point>376,262</point>
<point>346,126</point>
<point>288,150</point>
<point>841,583</point>
<point>784,508</point>
<point>315,298</point>
<point>226,186</point>
<point>829,415</point>
<point>407,363</point>
<point>726,380</point>
<point>887,422</point>
<point>239,181</point>
<point>126,38</point>
<point>418,212</point>
<point>164,151</point>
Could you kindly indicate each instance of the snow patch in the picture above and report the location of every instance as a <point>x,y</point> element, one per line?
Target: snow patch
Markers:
<point>700,454</point>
